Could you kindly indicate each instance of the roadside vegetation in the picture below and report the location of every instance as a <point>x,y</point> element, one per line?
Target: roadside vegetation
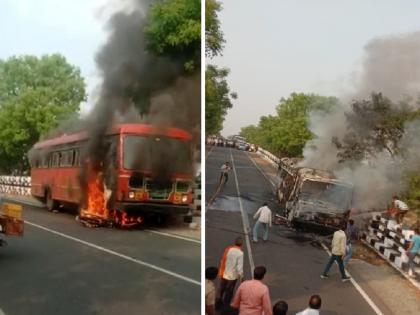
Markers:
<point>218,97</point>
<point>39,93</point>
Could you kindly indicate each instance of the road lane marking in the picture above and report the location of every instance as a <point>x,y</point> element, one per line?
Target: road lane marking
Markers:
<point>175,236</point>
<point>111,252</point>
<point>358,287</point>
<point>247,241</point>
<point>1,312</point>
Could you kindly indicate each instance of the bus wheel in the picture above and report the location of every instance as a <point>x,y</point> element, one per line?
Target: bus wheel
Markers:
<point>188,218</point>
<point>50,203</point>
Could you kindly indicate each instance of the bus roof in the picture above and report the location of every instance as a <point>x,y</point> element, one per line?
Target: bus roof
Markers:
<point>140,129</point>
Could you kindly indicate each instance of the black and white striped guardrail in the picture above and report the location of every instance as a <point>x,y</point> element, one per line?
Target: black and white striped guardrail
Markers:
<point>387,238</point>
<point>16,185</point>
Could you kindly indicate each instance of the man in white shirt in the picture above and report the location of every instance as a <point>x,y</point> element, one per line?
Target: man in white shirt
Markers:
<point>230,271</point>
<point>263,217</point>
<point>314,306</point>
<point>224,170</point>
<point>338,252</point>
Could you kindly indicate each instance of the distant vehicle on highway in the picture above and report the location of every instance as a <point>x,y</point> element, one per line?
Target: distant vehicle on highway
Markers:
<point>57,165</point>
<point>313,199</point>
<point>242,146</point>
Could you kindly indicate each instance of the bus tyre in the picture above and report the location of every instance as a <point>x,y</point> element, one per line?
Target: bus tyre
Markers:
<point>50,203</point>
<point>188,218</point>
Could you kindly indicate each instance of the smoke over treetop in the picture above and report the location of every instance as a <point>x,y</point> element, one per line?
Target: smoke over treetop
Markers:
<point>365,151</point>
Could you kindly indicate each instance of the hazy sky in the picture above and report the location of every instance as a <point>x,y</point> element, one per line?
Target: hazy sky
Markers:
<point>72,28</point>
<point>276,47</point>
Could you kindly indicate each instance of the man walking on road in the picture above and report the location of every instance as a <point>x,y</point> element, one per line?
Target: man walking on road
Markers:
<point>338,252</point>
<point>253,297</point>
<point>224,169</point>
<point>231,269</point>
<point>314,306</point>
<point>263,216</point>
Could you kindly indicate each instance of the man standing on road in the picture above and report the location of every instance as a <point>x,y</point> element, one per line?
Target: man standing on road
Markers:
<point>412,250</point>
<point>210,297</point>
<point>253,296</point>
<point>224,169</point>
<point>280,308</point>
<point>314,306</point>
<point>263,217</point>
<point>231,269</point>
<point>338,252</point>
<point>351,235</point>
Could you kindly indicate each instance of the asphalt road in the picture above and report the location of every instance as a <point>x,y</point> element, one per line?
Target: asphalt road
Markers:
<point>61,267</point>
<point>293,260</point>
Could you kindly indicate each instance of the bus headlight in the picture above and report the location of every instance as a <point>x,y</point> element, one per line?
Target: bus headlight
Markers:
<point>131,195</point>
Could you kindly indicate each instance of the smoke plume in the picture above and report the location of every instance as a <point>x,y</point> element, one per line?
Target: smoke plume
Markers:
<point>139,86</point>
<point>391,66</point>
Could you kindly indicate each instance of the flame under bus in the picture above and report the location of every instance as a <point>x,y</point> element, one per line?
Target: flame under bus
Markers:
<point>130,154</point>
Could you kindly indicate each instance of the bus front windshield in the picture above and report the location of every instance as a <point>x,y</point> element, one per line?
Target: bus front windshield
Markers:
<point>339,195</point>
<point>157,154</point>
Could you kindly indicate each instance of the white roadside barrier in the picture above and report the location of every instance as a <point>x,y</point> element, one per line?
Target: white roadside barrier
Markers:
<point>15,185</point>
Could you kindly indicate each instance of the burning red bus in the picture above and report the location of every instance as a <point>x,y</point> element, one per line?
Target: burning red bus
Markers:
<point>123,187</point>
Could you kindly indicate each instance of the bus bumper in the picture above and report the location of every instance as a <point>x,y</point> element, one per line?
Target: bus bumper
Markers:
<point>149,208</point>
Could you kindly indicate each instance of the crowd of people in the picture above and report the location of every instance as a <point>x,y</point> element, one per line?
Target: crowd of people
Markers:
<point>252,297</point>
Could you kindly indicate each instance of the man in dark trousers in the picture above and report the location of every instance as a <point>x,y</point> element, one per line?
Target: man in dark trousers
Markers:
<point>338,253</point>
<point>230,271</point>
<point>224,170</point>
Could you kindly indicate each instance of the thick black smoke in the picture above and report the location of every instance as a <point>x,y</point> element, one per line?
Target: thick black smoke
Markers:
<point>139,86</point>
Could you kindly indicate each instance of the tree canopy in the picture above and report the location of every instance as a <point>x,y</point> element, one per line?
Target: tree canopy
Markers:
<point>174,29</point>
<point>218,95</point>
<point>374,125</point>
<point>218,98</point>
<point>35,93</point>
<point>287,132</point>
<point>214,35</point>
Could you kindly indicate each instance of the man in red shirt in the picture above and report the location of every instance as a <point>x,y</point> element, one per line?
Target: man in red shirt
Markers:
<point>253,296</point>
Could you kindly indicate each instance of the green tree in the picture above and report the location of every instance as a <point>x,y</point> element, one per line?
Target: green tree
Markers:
<point>374,125</point>
<point>35,93</point>
<point>286,133</point>
<point>214,35</point>
<point>218,98</point>
<point>174,29</point>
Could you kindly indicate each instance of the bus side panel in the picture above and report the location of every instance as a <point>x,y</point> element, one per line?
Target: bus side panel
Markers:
<point>63,183</point>
<point>67,185</point>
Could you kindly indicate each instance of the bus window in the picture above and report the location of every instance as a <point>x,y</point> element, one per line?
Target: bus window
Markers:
<point>45,160</point>
<point>55,159</point>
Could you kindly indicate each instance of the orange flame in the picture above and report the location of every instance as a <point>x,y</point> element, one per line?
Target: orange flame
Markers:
<point>96,198</point>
